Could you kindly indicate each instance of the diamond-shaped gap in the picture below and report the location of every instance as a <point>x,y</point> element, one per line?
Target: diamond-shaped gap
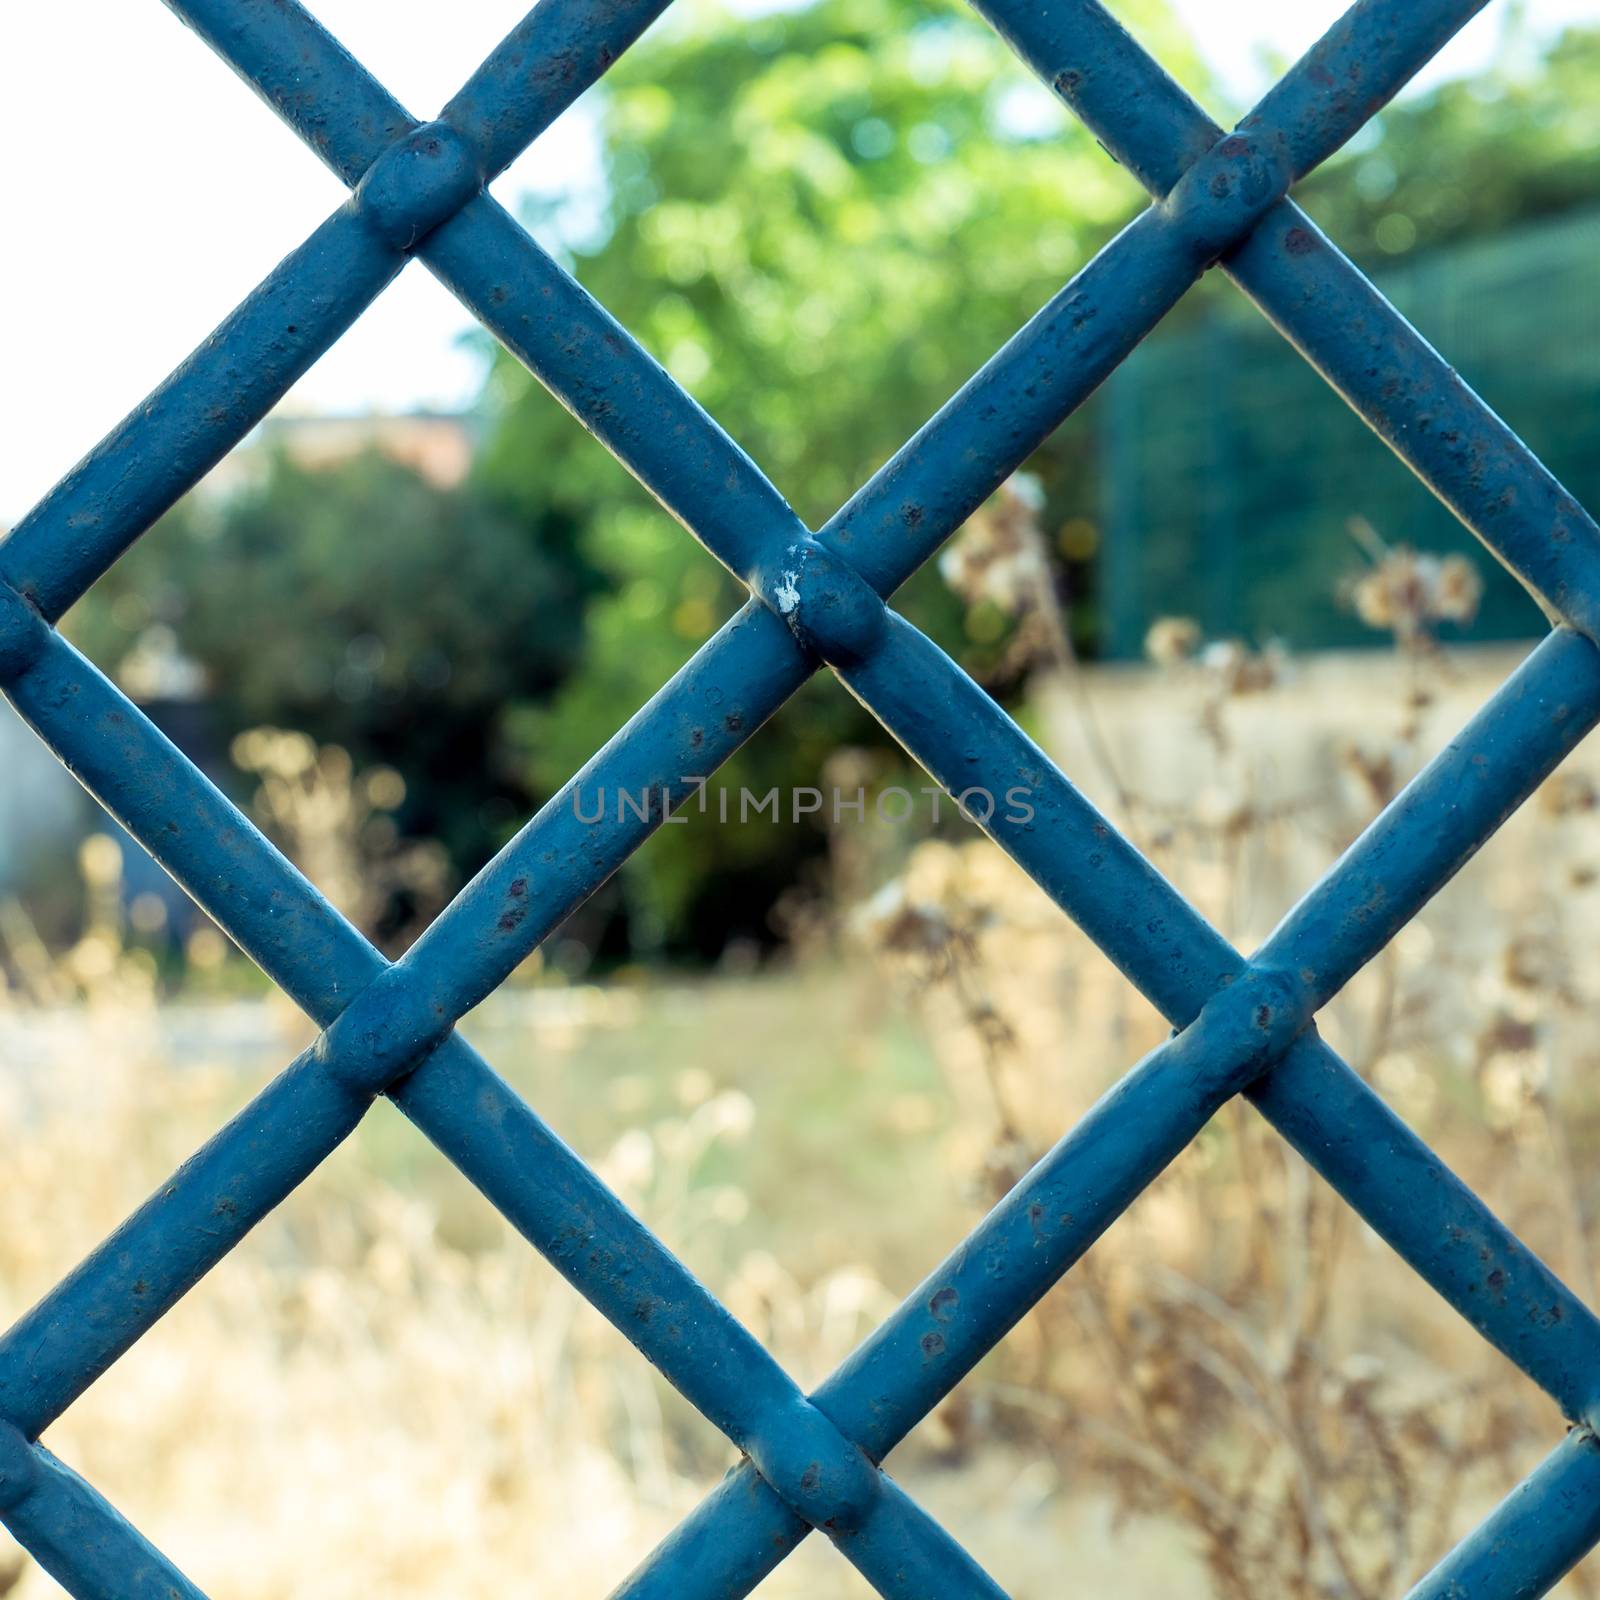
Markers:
<point>1408,1079</point>
<point>1238,1241</point>
<point>1238,1386</point>
<point>346,1391</point>
<point>1486,1062</point>
<point>354,525</point>
<point>1242,491</point>
<point>867,101</point>
<point>1213,463</point>
<point>1224,516</point>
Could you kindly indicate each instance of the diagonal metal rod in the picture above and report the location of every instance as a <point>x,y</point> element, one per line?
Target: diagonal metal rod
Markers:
<point>75,1534</point>
<point>1543,1529</point>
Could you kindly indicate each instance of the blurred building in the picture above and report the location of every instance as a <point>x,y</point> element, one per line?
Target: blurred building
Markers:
<point>437,446</point>
<point>1231,471</point>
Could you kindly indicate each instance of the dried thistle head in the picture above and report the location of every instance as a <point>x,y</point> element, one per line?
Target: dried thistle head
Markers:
<point>893,922</point>
<point>1171,640</point>
<point>999,555</point>
<point>1458,590</point>
<point>1408,592</point>
<point>1236,669</point>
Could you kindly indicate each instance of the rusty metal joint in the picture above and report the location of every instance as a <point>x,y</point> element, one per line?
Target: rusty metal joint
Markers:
<point>833,611</point>
<point>420,181</point>
<point>383,1033</point>
<point>1219,200</point>
<point>818,1473</point>
<point>1246,1026</point>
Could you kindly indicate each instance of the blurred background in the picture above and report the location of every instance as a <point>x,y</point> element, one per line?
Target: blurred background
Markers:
<point>419,596</point>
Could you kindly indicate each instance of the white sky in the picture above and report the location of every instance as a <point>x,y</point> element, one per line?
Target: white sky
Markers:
<point>130,237</point>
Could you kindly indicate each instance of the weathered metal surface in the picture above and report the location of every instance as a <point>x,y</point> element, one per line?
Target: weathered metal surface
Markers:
<point>1243,1026</point>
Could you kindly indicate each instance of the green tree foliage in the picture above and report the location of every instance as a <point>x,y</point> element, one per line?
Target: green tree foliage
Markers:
<point>822,221</point>
<point>369,609</point>
<point>1473,156</point>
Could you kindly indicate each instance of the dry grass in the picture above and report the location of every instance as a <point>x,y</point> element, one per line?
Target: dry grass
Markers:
<point>1241,1354</point>
<point>385,1390</point>
<point>1238,1393</point>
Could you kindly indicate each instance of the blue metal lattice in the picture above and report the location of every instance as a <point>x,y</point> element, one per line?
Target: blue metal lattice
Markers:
<point>1242,1027</point>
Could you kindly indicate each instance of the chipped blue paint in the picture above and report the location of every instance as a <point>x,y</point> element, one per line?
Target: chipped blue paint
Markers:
<point>418,189</point>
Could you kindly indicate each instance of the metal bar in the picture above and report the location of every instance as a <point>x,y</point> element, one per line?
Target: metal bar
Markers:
<point>556,52</point>
<point>1435,1223</point>
<point>1351,73</point>
<point>1389,375</point>
<point>1543,1529</point>
<point>1411,397</point>
<point>1007,409</point>
<point>75,1534</point>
